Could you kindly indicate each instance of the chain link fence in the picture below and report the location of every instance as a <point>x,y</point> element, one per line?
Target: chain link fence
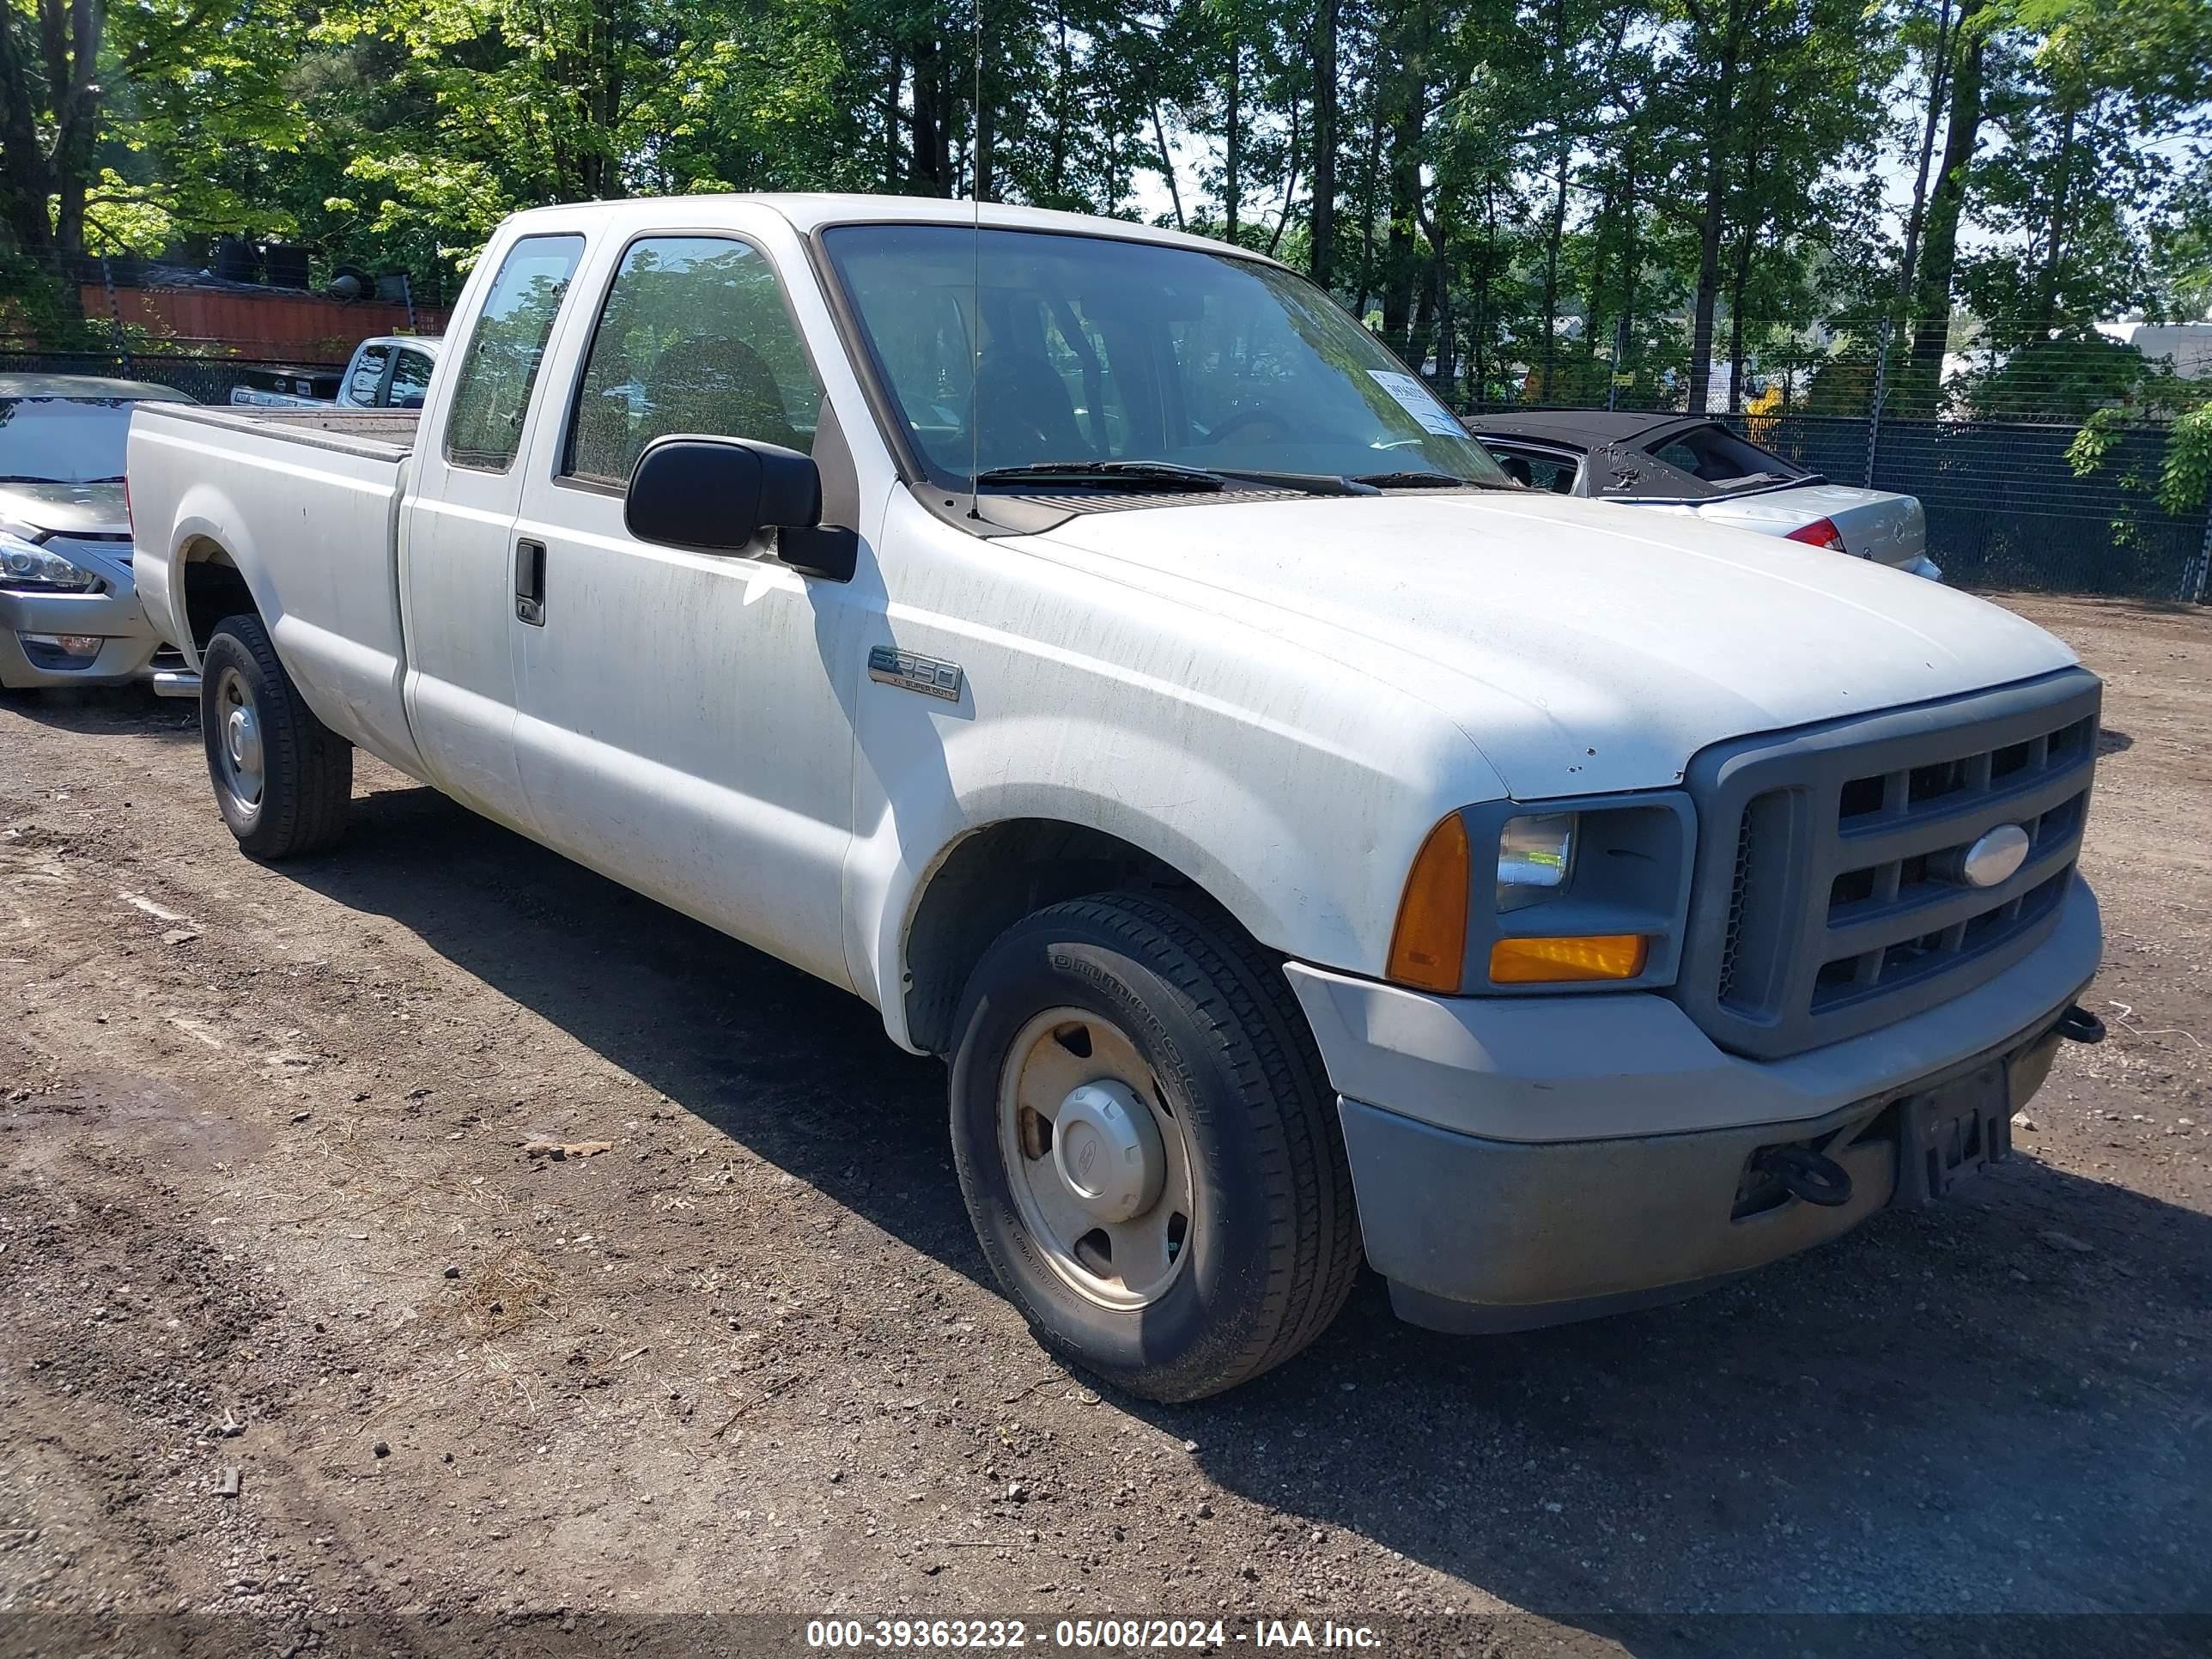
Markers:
<point>1983,433</point>
<point>2004,506</point>
<point>206,379</point>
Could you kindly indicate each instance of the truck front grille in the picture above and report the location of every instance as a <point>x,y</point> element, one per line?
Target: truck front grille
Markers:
<point>1830,898</point>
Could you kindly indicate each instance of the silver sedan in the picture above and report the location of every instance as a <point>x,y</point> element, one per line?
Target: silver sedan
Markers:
<point>69,608</point>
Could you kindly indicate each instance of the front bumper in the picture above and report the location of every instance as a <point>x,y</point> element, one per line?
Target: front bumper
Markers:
<point>128,641</point>
<point>1523,1161</point>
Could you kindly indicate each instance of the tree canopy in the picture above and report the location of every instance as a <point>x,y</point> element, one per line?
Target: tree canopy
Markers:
<point>1531,199</point>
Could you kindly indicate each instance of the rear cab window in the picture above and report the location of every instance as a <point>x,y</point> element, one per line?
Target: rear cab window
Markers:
<point>505,351</point>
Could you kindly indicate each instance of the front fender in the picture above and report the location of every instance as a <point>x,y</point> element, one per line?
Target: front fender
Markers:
<point>1305,839</point>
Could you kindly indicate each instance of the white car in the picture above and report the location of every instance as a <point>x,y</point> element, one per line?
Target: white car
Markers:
<point>389,371</point>
<point>1688,465</point>
<point>1087,644</point>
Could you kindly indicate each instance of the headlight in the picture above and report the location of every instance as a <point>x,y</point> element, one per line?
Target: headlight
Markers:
<point>1534,856</point>
<point>1611,873</point>
<point>26,564</point>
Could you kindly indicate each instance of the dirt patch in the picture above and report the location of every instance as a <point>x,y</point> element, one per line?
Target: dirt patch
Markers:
<point>262,1154</point>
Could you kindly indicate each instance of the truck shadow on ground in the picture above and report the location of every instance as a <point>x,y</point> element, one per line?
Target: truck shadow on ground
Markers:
<point>2002,1404</point>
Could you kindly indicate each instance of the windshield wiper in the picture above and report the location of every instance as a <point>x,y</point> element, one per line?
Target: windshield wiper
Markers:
<point>1306,483</point>
<point>1135,474</point>
<point>1425,481</point>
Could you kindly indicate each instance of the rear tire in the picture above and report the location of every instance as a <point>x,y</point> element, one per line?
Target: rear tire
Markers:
<point>1177,1015</point>
<point>283,779</point>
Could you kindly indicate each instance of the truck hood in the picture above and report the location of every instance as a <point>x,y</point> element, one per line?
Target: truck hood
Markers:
<point>66,509</point>
<point>1581,646</point>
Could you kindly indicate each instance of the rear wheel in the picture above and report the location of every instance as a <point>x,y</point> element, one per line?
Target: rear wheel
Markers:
<point>283,779</point>
<point>1148,1152</point>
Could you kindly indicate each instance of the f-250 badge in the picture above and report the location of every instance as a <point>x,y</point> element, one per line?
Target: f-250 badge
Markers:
<point>931,676</point>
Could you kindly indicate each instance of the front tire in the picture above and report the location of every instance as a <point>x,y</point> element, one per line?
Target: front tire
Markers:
<point>283,779</point>
<point>1148,1151</point>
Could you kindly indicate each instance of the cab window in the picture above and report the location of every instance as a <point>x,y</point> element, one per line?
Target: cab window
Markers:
<point>694,336</point>
<point>491,398</point>
<point>368,377</point>
<point>410,379</point>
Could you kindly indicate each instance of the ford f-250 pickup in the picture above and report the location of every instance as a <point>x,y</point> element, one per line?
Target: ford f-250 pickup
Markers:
<point>1086,643</point>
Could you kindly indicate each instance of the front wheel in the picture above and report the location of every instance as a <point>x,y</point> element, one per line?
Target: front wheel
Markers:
<point>1146,1146</point>
<point>283,779</point>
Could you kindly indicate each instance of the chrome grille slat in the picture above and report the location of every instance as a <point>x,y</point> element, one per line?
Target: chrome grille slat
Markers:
<point>1857,830</point>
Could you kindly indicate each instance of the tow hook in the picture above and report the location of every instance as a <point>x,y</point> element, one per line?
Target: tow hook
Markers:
<point>2078,1024</point>
<point>1807,1174</point>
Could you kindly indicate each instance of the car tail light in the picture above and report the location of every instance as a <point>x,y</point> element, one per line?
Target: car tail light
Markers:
<point>1821,532</point>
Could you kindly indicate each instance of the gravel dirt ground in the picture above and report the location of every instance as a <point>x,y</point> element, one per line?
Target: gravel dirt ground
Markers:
<point>265,1206</point>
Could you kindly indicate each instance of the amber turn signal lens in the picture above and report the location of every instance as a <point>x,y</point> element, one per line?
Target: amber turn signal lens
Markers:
<point>1428,950</point>
<point>1554,961</point>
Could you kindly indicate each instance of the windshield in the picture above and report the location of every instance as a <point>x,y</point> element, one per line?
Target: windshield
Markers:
<point>63,440</point>
<point>1090,350</point>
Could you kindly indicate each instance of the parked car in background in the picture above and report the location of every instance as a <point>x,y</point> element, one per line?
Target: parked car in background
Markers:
<point>69,608</point>
<point>1683,464</point>
<point>391,371</point>
<point>1090,645</point>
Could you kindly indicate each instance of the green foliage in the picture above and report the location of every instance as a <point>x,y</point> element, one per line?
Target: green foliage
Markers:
<point>1525,190</point>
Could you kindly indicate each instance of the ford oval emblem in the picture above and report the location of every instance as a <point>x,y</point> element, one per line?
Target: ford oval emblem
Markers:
<point>1996,857</point>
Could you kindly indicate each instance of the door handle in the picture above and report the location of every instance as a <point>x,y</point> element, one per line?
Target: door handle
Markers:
<point>530,583</point>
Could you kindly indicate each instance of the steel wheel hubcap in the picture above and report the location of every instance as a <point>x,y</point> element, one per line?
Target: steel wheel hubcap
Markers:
<point>1100,1168</point>
<point>239,750</point>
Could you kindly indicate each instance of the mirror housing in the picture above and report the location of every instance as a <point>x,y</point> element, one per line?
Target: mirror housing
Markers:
<point>719,495</point>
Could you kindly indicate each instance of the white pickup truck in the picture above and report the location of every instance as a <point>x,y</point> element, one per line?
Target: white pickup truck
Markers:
<point>387,371</point>
<point>1088,645</point>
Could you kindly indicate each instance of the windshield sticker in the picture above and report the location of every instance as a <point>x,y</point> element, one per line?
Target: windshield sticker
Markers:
<point>1417,401</point>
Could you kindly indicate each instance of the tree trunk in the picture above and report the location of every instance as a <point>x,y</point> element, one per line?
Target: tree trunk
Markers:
<point>1232,178</point>
<point>1481,330</point>
<point>1409,98</point>
<point>895,162</point>
<point>1554,233</point>
<point>1440,279</point>
<point>928,139</point>
<point>1290,183</point>
<point>1063,78</point>
<point>38,169</point>
<point>987,137</point>
<point>1752,219</point>
<point>1720,123</point>
<point>1631,264</point>
<point>2054,241</point>
<point>1321,227</point>
<point>1167,166</point>
<point>1939,81</point>
<point>1370,191</point>
<point>1931,302</point>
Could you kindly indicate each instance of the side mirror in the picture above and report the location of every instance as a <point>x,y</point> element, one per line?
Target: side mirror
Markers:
<point>719,495</point>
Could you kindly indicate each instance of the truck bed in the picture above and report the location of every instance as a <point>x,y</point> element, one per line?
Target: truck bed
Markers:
<point>305,503</point>
<point>384,435</point>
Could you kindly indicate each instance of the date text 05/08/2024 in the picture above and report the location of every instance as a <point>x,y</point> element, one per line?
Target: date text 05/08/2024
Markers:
<point>1099,1635</point>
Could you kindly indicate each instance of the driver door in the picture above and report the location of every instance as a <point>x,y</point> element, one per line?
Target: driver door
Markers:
<point>681,727</point>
